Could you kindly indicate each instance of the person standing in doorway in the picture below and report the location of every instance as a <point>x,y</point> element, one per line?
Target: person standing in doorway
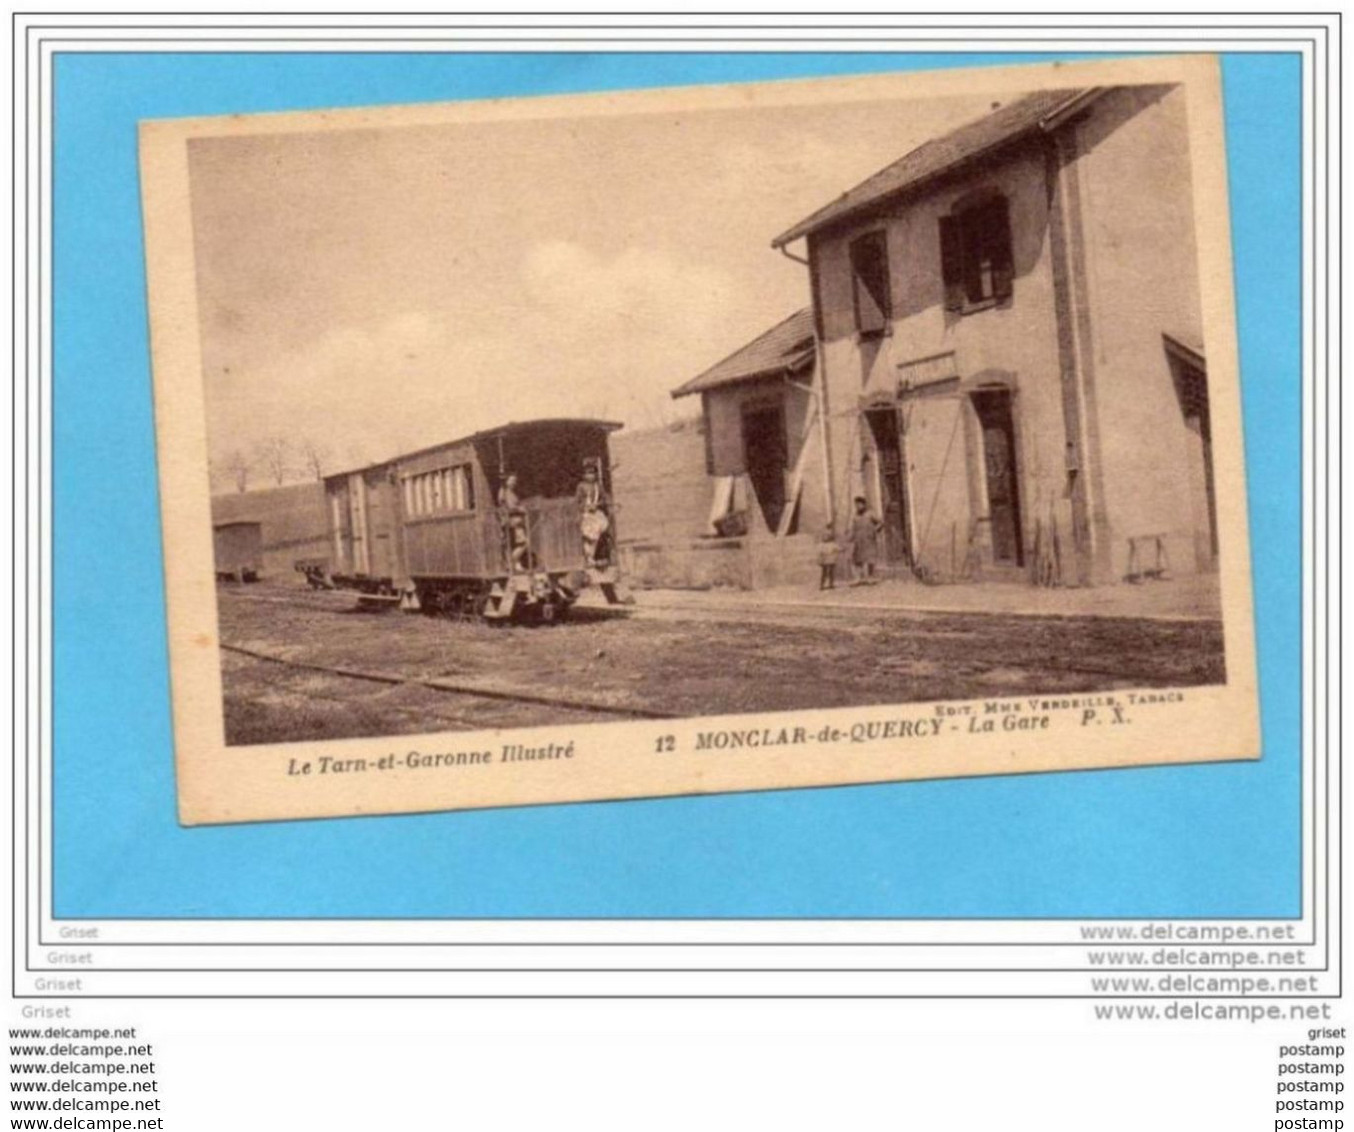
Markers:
<point>512,518</point>
<point>865,529</point>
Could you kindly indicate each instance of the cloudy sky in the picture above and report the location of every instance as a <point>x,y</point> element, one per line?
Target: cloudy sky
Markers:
<point>376,290</point>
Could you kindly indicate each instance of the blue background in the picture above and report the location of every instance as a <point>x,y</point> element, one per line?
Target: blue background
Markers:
<point>1196,841</point>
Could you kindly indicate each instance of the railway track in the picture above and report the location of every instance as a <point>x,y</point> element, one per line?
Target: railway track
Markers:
<point>385,671</point>
<point>441,684</point>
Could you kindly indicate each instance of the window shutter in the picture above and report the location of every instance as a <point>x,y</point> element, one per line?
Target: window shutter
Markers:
<point>869,318</point>
<point>1003,260</point>
<point>951,263</point>
<point>870,274</point>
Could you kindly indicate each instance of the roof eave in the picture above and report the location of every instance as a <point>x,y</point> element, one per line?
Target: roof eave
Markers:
<point>1051,121</point>
<point>1184,350</point>
<point>724,382</point>
<point>864,208</point>
<point>1070,109</point>
<point>774,364</point>
<point>476,437</point>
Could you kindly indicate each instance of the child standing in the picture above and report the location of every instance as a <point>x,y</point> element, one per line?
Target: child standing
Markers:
<point>828,553</point>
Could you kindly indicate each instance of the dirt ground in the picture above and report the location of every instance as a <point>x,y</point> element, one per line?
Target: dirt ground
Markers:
<point>663,661</point>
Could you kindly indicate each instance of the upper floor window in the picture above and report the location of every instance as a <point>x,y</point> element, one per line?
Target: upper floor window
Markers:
<point>870,281</point>
<point>976,262</point>
<point>446,489</point>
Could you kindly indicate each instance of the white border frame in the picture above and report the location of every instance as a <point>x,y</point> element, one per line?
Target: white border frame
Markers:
<point>928,958</point>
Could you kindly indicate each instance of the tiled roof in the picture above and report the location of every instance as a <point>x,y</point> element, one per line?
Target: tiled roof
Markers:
<point>786,346</point>
<point>939,155</point>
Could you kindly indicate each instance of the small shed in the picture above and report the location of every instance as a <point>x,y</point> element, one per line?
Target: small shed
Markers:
<point>760,406</point>
<point>239,550</point>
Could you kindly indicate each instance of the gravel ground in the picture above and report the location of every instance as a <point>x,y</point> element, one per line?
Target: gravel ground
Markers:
<point>688,661</point>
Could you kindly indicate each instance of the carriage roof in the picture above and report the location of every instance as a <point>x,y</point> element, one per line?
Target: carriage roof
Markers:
<point>504,430</point>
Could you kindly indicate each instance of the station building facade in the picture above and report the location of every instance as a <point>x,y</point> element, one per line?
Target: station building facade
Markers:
<point>1003,354</point>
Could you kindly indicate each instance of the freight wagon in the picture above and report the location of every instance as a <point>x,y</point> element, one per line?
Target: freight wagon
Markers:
<point>238,549</point>
<point>491,525</point>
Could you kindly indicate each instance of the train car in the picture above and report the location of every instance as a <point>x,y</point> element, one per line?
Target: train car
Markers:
<point>238,548</point>
<point>364,531</point>
<point>503,524</point>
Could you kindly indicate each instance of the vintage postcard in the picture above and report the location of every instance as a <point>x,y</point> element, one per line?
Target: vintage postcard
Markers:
<point>709,439</point>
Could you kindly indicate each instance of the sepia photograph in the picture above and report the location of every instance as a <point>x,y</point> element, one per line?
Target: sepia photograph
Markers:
<point>652,564</point>
<point>796,433</point>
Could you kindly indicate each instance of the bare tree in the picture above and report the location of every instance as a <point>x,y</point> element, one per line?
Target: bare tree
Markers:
<point>315,455</point>
<point>275,454</point>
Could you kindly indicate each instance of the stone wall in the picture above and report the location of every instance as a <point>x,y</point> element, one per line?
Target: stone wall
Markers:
<point>659,482</point>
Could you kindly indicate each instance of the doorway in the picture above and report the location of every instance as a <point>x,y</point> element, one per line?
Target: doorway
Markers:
<point>997,425</point>
<point>357,516</point>
<point>382,526</point>
<point>888,442</point>
<point>765,455</point>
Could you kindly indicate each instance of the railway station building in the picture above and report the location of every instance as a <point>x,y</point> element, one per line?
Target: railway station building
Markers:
<point>1004,356</point>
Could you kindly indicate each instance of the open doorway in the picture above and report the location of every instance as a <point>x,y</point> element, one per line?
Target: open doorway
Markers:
<point>888,442</point>
<point>993,408</point>
<point>765,454</point>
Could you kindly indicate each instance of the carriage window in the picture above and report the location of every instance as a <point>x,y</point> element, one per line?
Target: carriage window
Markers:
<point>439,492</point>
<point>465,488</point>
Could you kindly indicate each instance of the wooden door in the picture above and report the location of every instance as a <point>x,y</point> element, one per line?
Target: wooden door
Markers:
<point>338,528</point>
<point>383,526</point>
<point>357,522</point>
<point>999,466</point>
<point>892,483</point>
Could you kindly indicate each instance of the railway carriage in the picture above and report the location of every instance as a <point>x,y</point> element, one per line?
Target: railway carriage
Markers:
<point>435,529</point>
